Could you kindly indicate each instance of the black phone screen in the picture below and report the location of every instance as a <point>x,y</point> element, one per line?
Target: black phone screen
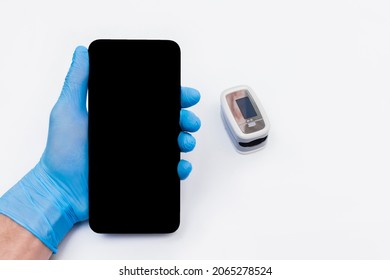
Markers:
<point>134,111</point>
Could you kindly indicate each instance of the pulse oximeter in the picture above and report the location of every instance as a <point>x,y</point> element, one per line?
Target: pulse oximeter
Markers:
<point>244,118</point>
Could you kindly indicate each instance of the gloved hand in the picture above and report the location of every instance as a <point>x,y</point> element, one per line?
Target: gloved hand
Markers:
<point>53,196</point>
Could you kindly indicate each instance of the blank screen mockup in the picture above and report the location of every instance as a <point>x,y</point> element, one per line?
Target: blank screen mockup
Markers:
<point>133,111</point>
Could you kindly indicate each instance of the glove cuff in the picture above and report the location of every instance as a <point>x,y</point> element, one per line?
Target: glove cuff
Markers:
<point>36,204</point>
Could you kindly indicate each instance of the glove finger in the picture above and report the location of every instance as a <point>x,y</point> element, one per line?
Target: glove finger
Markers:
<point>186,142</point>
<point>76,81</point>
<point>189,121</point>
<point>184,169</point>
<point>189,97</point>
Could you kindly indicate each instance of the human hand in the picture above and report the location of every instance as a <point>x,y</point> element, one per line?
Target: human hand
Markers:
<point>53,196</point>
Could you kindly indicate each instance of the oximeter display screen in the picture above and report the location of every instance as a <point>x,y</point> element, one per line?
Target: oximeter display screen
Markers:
<point>245,112</point>
<point>246,107</point>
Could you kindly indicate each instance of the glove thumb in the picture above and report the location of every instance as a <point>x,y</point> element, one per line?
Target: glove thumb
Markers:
<point>75,86</point>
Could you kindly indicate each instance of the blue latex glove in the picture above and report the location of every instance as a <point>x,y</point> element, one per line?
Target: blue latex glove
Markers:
<point>189,122</point>
<point>53,196</point>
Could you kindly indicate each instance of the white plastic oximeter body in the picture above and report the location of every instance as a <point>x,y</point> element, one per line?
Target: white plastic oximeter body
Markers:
<point>245,119</point>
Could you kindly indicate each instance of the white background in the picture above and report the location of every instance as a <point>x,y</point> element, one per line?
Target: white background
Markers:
<point>320,189</point>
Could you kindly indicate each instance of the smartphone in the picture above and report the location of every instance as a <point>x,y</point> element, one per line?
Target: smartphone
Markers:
<point>134,107</point>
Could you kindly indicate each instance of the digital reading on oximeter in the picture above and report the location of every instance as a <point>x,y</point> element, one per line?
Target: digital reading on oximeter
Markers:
<point>244,118</point>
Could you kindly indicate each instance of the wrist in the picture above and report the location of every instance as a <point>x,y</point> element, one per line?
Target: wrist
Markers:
<point>18,243</point>
<point>36,203</point>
